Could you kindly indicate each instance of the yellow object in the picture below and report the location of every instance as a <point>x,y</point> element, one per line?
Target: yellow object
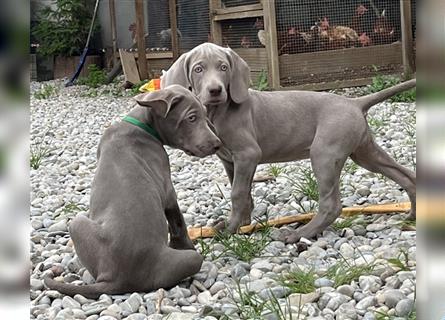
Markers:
<point>152,85</point>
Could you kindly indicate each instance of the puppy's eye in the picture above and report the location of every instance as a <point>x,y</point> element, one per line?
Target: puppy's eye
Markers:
<point>224,67</point>
<point>198,69</point>
<point>191,118</point>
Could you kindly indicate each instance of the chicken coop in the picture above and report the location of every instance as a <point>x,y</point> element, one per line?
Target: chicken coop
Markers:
<point>299,44</point>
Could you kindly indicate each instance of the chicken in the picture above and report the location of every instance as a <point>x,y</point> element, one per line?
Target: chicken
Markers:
<point>383,31</point>
<point>336,37</point>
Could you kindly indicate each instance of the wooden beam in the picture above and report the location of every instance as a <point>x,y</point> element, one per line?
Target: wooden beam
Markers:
<point>238,15</point>
<point>208,232</point>
<point>215,26</point>
<point>113,29</point>
<point>142,63</point>
<point>270,26</point>
<point>407,38</point>
<point>174,29</point>
<point>249,7</point>
<point>129,66</point>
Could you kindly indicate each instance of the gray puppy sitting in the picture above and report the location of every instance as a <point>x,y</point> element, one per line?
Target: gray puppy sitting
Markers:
<point>124,243</point>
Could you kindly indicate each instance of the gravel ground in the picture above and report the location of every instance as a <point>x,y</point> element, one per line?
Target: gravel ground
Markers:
<point>361,268</point>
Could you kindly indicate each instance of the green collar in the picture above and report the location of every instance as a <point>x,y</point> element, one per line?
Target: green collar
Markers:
<point>143,126</point>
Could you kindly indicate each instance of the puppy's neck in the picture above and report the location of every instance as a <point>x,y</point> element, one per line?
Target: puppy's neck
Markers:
<point>217,110</point>
<point>146,116</point>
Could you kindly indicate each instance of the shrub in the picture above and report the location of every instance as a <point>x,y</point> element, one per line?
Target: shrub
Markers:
<point>64,29</point>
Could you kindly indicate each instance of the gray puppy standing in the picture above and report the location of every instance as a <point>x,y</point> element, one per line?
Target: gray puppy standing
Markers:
<point>124,242</point>
<point>264,127</point>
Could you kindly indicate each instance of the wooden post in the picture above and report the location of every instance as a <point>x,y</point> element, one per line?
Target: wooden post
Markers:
<point>142,62</point>
<point>174,29</point>
<point>407,39</point>
<point>270,26</point>
<point>113,30</point>
<point>215,26</point>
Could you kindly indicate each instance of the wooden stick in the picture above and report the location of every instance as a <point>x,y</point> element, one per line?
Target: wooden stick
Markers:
<point>209,232</point>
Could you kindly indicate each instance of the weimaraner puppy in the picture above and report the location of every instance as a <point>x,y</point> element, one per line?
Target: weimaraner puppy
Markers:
<point>265,127</point>
<point>124,242</point>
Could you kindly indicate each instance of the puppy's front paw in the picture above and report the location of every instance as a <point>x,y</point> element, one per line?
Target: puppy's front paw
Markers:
<point>181,243</point>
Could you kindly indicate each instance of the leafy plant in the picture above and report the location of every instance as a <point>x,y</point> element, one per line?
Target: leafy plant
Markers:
<point>381,82</point>
<point>245,247</point>
<point>306,184</point>
<point>96,77</point>
<point>299,281</point>
<point>344,272</point>
<point>46,92</point>
<point>275,170</point>
<point>251,306</point>
<point>348,222</point>
<point>63,28</point>
<point>135,89</point>
<point>71,207</point>
<point>262,83</point>
<point>402,261</point>
<point>38,153</point>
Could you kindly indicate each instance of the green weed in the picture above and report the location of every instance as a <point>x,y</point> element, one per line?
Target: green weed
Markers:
<point>275,170</point>
<point>96,77</point>
<point>299,281</point>
<point>38,153</point>
<point>381,82</point>
<point>262,83</point>
<point>46,92</point>
<point>344,272</point>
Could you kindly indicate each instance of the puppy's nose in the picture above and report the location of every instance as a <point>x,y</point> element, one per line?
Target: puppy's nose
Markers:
<point>215,91</point>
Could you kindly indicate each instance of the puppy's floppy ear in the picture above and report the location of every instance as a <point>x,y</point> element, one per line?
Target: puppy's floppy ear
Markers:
<point>160,101</point>
<point>178,73</point>
<point>240,77</point>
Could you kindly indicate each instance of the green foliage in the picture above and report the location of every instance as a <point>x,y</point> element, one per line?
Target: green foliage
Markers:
<point>96,77</point>
<point>262,83</point>
<point>46,92</point>
<point>348,222</point>
<point>244,247</point>
<point>402,261</point>
<point>72,207</point>
<point>306,184</point>
<point>344,272</point>
<point>38,153</point>
<point>64,29</point>
<point>275,170</point>
<point>251,306</point>
<point>384,81</point>
<point>299,281</point>
<point>135,89</point>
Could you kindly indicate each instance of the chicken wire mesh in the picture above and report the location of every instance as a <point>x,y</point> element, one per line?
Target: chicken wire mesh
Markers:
<point>326,28</point>
<point>243,33</point>
<point>193,23</point>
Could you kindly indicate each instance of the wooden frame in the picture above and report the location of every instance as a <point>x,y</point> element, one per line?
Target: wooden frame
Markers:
<point>174,29</point>
<point>142,63</point>
<point>407,38</point>
<point>270,25</point>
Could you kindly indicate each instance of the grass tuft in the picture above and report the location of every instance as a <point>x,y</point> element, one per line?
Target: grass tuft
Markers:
<point>347,222</point>
<point>96,77</point>
<point>244,247</point>
<point>275,170</point>
<point>306,184</point>
<point>262,83</point>
<point>251,306</point>
<point>381,82</point>
<point>344,273</point>
<point>299,281</point>
<point>46,92</point>
<point>38,153</point>
<point>402,261</point>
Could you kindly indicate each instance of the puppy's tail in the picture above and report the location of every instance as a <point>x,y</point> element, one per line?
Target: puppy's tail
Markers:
<point>368,101</point>
<point>91,291</point>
